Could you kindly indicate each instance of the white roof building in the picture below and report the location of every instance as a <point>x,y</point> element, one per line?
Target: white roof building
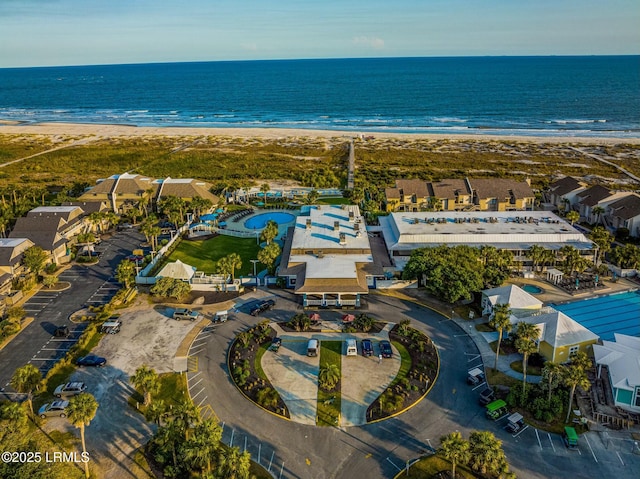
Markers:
<point>327,256</point>
<point>177,270</point>
<point>507,230</point>
<point>622,358</point>
<point>516,297</point>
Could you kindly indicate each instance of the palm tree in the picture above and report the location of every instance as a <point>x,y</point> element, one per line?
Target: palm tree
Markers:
<point>501,322</point>
<point>575,376</point>
<point>126,273</point>
<point>328,376</point>
<point>455,449</point>
<point>269,232</point>
<point>603,239</point>
<point>597,210</point>
<point>573,216</point>
<point>264,189</point>
<point>487,456</point>
<point>552,373</point>
<point>235,262</point>
<point>81,410</point>
<point>526,344</point>
<point>184,415</point>
<point>201,447</point>
<point>147,380</point>
<point>233,464</point>
<point>536,253</point>
<point>25,380</point>
<point>156,412</point>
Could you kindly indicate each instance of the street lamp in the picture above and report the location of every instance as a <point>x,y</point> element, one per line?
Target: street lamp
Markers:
<point>258,238</point>
<point>254,261</point>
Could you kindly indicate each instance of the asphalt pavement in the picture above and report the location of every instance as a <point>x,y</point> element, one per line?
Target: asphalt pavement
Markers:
<point>89,285</point>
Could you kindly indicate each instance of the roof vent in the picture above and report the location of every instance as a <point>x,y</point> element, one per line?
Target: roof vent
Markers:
<point>336,225</point>
<point>343,238</point>
<point>308,223</point>
<point>352,216</point>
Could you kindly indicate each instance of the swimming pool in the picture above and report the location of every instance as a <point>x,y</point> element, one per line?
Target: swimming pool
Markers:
<point>531,289</point>
<point>605,315</point>
<point>258,222</point>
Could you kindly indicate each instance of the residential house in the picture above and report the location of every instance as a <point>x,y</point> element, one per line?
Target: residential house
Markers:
<point>499,194</point>
<point>560,336</point>
<point>11,252</point>
<point>408,195</point>
<point>625,213</point>
<point>621,358</point>
<point>122,192</point>
<point>519,301</point>
<point>327,257</point>
<point>89,207</point>
<point>451,195</point>
<point>186,189</point>
<point>596,196</point>
<point>562,192</point>
<point>45,232</point>
<point>72,216</point>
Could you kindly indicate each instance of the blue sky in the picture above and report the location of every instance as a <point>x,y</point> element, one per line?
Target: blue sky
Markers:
<point>77,32</point>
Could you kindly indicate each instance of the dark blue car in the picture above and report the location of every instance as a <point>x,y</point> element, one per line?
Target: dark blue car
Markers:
<point>385,349</point>
<point>91,360</point>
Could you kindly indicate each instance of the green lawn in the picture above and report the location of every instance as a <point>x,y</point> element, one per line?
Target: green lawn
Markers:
<point>329,401</point>
<point>204,254</point>
<point>405,364</point>
<point>430,466</point>
<point>533,370</point>
<point>334,201</point>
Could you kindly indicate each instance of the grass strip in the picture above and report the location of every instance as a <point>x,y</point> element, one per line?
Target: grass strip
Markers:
<point>257,362</point>
<point>432,465</point>
<point>405,364</point>
<point>329,402</point>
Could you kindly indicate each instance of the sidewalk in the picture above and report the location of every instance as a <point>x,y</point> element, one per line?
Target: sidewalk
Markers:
<point>488,355</point>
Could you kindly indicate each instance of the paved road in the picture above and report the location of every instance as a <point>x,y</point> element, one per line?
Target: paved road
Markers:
<point>290,450</point>
<point>90,285</point>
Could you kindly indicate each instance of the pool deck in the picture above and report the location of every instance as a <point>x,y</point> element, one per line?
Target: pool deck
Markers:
<point>282,228</point>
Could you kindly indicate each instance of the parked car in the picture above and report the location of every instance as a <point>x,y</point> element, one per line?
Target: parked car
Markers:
<point>475,377</point>
<point>385,349</point>
<point>55,408</point>
<point>262,306</point>
<point>367,347</point>
<point>184,313</point>
<point>91,360</point>
<point>135,258</point>
<point>62,332</point>
<point>515,422</point>
<point>486,396</point>
<point>69,389</point>
<point>570,438</point>
<point>111,327</point>
<point>124,226</point>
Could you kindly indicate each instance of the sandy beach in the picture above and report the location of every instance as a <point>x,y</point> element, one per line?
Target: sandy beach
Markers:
<point>127,131</point>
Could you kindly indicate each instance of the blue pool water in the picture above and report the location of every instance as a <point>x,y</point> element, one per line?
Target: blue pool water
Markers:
<point>531,289</point>
<point>605,315</point>
<point>258,222</point>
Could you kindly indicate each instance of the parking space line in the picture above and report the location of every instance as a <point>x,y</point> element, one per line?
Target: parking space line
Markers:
<point>620,458</point>
<point>194,385</point>
<point>551,442</point>
<point>55,349</point>
<point>479,385</point>
<point>196,394</point>
<point>196,375</point>
<point>196,351</point>
<point>538,436</point>
<point>203,400</point>
<point>398,468</point>
<point>521,431</point>
<point>589,444</point>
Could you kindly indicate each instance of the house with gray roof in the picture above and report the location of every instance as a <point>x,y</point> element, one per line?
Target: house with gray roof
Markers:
<point>11,252</point>
<point>625,213</point>
<point>563,191</point>
<point>452,194</point>
<point>45,232</point>
<point>501,194</point>
<point>620,359</point>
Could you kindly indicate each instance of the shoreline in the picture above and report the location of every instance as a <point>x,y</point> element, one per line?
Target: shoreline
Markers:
<point>9,127</point>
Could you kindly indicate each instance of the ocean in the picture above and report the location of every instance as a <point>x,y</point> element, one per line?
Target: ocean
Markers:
<point>542,96</point>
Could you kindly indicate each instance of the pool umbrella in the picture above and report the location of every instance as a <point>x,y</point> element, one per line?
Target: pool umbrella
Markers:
<point>314,317</point>
<point>347,318</point>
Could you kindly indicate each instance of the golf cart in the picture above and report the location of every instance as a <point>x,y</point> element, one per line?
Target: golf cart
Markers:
<point>221,316</point>
<point>570,437</point>
<point>496,409</point>
<point>515,422</point>
<point>475,377</point>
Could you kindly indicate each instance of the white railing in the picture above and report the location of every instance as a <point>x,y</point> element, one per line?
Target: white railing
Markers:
<point>349,302</point>
<point>314,302</point>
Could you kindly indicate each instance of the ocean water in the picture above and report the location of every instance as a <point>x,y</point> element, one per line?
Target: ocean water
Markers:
<point>567,96</point>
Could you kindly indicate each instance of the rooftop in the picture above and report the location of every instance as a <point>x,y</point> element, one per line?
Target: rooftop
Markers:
<point>322,235</point>
<point>11,242</point>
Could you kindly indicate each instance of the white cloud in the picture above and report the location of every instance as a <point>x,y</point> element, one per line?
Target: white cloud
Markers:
<point>371,42</point>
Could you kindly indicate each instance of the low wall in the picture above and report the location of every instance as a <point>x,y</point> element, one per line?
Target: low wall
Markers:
<point>396,284</point>
<point>622,273</point>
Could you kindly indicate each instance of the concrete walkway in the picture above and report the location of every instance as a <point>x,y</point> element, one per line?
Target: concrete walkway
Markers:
<point>295,375</point>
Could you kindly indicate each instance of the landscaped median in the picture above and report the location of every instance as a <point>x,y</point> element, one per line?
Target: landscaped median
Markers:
<point>329,382</point>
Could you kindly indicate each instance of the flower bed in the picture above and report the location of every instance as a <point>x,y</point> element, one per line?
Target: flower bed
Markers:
<point>418,372</point>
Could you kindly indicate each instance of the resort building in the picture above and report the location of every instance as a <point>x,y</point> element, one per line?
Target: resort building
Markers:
<point>619,360</point>
<point>490,194</point>
<point>123,192</point>
<point>407,195</point>
<point>562,192</point>
<point>519,301</point>
<point>560,336</point>
<point>72,216</point>
<point>11,252</point>
<point>596,197</point>
<point>327,258</point>
<point>625,213</point>
<point>507,230</point>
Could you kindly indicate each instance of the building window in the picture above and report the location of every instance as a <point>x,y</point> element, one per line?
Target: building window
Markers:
<point>636,401</point>
<point>573,350</point>
<point>292,281</point>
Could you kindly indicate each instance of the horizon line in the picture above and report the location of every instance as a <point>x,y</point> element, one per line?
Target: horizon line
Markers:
<point>174,62</point>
